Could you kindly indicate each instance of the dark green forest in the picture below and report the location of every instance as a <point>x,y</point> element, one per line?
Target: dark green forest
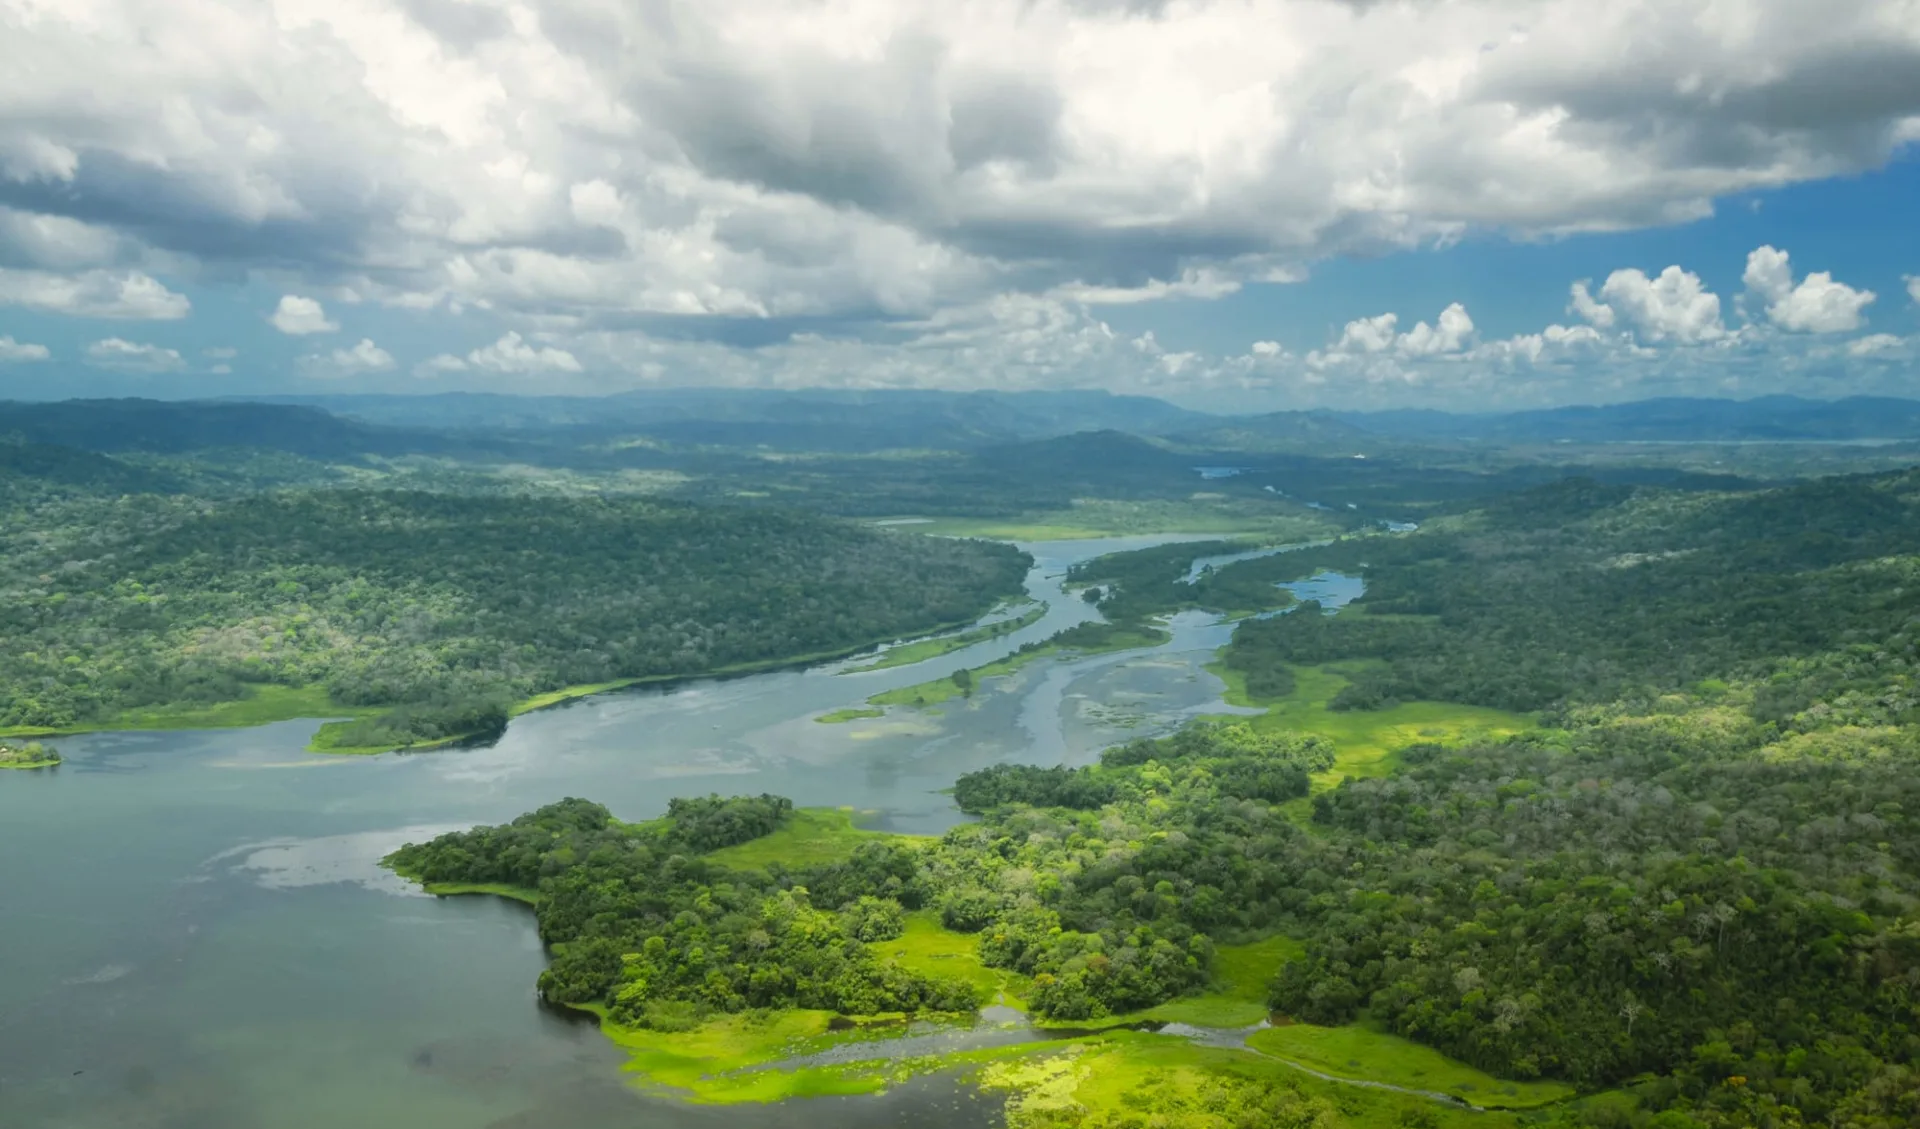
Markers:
<point>450,606</point>
<point>1696,884</point>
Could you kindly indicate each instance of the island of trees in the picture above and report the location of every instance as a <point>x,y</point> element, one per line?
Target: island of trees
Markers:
<point>29,754</point>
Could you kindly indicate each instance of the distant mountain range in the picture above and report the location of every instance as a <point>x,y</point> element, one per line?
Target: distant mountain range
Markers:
<point>1672,420</point>
<point>641,428</point>
<point>834,419</point>
<point>814,419</point>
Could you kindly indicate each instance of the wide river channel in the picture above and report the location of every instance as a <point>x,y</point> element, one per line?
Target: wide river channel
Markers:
<point>195,934</point>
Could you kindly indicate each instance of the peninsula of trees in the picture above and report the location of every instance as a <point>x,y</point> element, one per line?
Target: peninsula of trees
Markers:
<point>445,610</point>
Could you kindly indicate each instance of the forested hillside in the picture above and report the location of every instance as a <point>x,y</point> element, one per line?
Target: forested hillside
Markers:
<point>443,601</point>
<point>1584,593</point>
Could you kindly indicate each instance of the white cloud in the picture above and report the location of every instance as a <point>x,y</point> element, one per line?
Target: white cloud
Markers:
<point>441,365</point>
<point>511,354</point>
<point>1267,349</point>
<point>15,352</point>
<point>1873,344</point>
<point>130,356</point>
<point>57,243</point>
<point>120,295</point>
<point>1552,345</point>
<point>1368,335</point>
<point>1817,304</point>
<point>1671,307</point>
<point>1377,335</point>
<point>297,316</point>
<point>1449,334</point>
<point>1585,306</point>
<point>850,157</point>
<point>359,360</point>
<point>1913,286</point>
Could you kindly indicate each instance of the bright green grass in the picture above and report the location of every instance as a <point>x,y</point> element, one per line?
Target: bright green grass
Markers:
<point>736,1059</point>
<point>1360,1052</point>
<point>1243,972</point>
<point>930,693</point>
<point>497,889</point>
<point>926,947</point>
<point>852,714</point>
<point>812,836</point>
<point>923,649</point>
<point>1125,1077</point>
<point>1365,741</point>
<point>688,1061</point>
<point>1236,998</point>
<point>261,706</point>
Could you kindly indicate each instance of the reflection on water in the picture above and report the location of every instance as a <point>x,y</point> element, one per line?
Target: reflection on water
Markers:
<point>197,936</point>
<point>1334,590</point>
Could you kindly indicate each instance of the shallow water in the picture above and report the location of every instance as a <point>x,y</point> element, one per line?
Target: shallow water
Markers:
<point>197,935</point>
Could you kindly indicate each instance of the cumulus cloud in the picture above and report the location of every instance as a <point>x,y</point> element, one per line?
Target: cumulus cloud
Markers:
<point>297,316</point>
<point>1874,344</point>
<point>872,160</point>
<point>15,352</point>
<point>1817,304</point>
<point>1673,306</point>
<point>363,358</point>
<point>127,296</point>
<point>130,356</point>
<point>1448,334</point>
<point>1367,335</point>
<point>511,354</point>
<point>1913,287</point>
<point>1362,337</point>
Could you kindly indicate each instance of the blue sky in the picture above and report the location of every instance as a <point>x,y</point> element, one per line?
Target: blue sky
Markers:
<point>1234,204</point>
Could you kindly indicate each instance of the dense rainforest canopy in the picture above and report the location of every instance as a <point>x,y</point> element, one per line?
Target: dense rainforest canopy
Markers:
<point>1698,881</point>
<point>447,605</point>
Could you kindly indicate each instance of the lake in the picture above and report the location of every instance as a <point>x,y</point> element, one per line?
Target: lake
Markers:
<point>197,935</point>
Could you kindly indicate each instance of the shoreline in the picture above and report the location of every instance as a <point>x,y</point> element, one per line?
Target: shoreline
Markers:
<point>305,703</point>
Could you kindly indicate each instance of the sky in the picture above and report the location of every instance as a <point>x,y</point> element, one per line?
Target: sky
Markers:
<point>1231,204</point>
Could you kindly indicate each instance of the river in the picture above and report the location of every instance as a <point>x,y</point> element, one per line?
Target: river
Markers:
<point>197,935</point>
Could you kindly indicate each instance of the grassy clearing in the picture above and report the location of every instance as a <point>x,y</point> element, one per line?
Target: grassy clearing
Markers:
<point>813,836</point>
<point>1236,998</point>
<point>1126,1077</point>
<point>1365,740</point>
<point>854,714</point>
<point>1243,972</point>
<point>735,1060</point>
<point>927,947</point>
<point>691,1061</point>
<point>497,889</point>
<point>1363,1053</point>
<point>923,649</point>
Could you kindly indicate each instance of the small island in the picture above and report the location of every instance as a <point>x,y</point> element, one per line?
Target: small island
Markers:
<point>30,755</point>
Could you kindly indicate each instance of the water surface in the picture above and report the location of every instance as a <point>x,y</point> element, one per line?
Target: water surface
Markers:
<point>196,935</point>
